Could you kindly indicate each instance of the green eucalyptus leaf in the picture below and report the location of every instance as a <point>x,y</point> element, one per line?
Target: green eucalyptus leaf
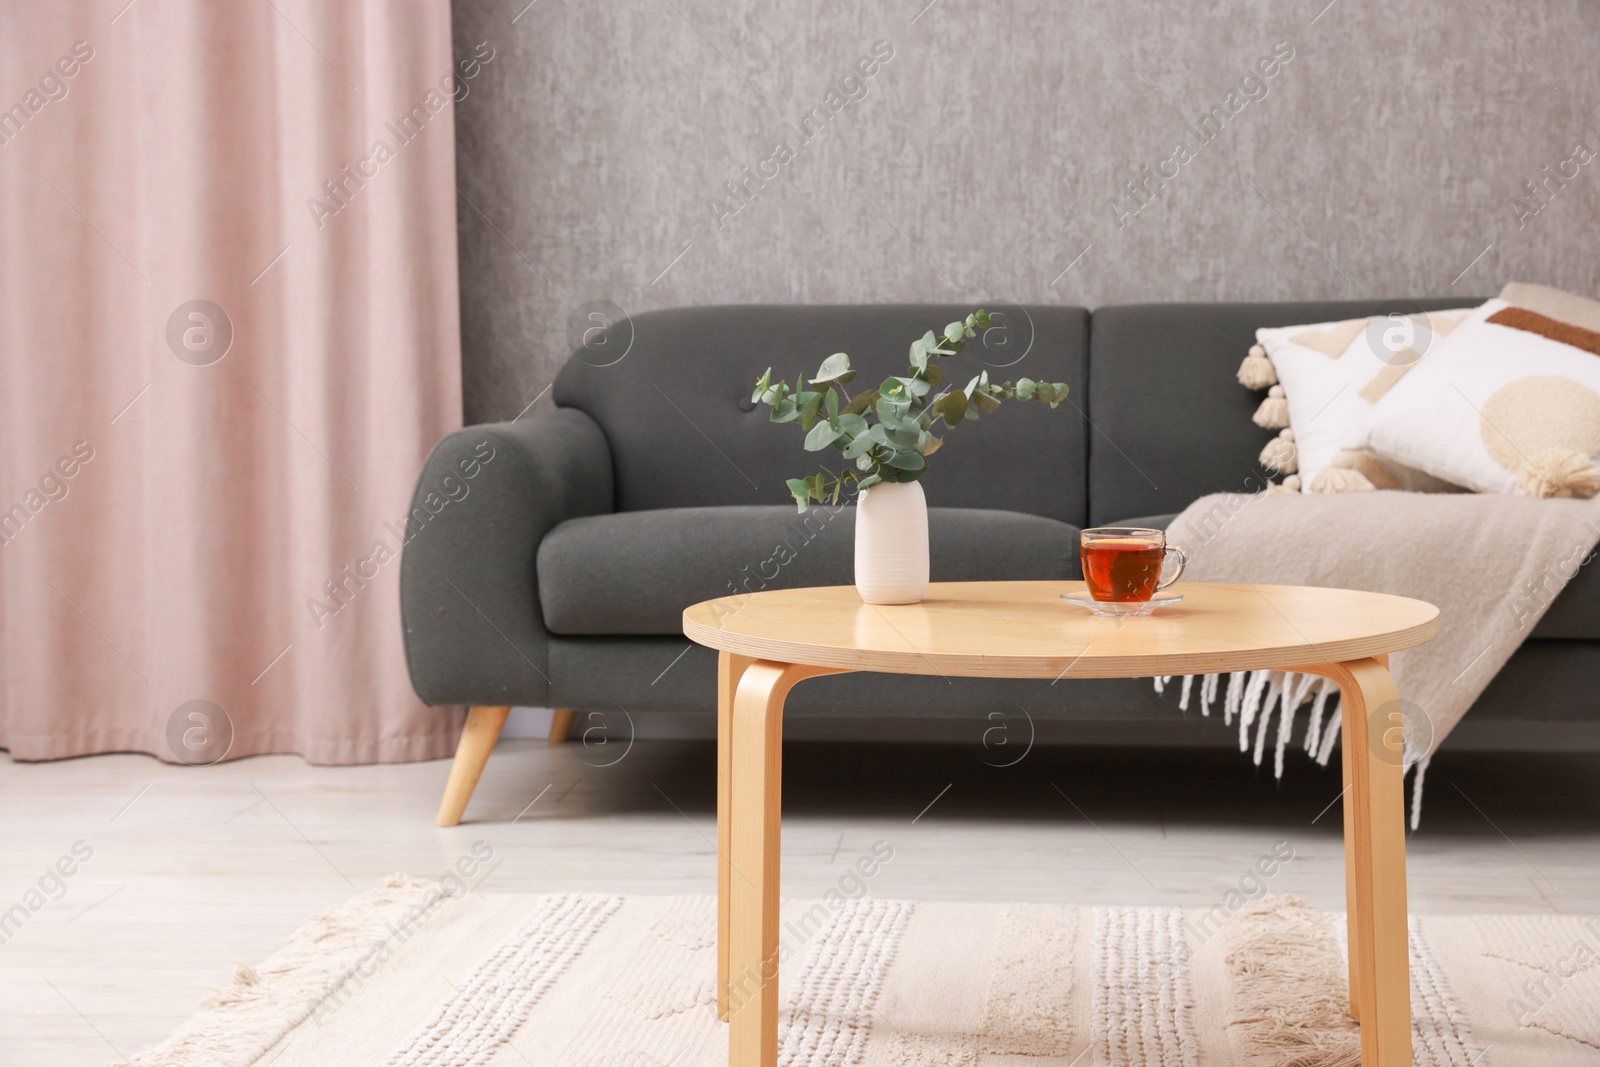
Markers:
<point>933,375</point>
<point>808,414</point>
<point>821,436</point>
<point>903,436</point>
<point>854,425</point>
<point>955,331</point>
<point>861,402</point>
<point>952,407</point>
<point>890,410</point>
<point>907,461</point>
<point>870,480</point>
<point>832,404</point>
<point>919,354</point>
<point>785,410</point>
<point>865,463</point>
<point>1025,388</point>
<point>859,447</point>
<point>914,387</point>
<point>836,368</point>
<point>985,401</point>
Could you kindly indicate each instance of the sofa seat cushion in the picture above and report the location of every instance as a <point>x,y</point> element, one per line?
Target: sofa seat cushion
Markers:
<point>1574,615</point>
<point>635,571</point>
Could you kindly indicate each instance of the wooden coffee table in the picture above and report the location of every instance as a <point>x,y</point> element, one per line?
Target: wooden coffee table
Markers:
<point>769,641</point>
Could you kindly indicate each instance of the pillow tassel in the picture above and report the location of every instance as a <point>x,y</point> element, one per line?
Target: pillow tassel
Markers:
<point>1351,471</point>
<point>1331,479</point>
<point>1290,486</point>
<point>1558,472</point>
<point>1280,453</point>
<point>1273,414</point>
<point>1257,372</point>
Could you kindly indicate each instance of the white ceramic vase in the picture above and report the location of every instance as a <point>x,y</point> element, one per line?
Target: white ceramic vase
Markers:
<point>892,543</point>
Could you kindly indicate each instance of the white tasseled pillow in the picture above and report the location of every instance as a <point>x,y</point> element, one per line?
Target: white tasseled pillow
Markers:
<point>1322,381</point>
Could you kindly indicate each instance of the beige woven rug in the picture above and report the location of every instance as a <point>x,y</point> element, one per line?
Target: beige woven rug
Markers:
<point>405,975</point>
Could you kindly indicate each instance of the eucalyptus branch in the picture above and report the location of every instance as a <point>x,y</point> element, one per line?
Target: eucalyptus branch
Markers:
<point>888,433</point>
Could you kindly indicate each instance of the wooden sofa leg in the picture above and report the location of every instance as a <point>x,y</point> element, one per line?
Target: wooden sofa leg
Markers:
<point>477,741</point>
<point>561,725</point>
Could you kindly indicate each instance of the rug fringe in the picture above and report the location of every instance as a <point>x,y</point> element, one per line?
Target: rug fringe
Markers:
<point>241,1021</point>
<point>1289,991</point>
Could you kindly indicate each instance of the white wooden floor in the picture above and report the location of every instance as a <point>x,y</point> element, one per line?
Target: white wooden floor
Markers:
<point>196,869</point>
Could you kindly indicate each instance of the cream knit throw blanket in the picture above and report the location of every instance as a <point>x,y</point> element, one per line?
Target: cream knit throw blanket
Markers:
<point>1492,564</point>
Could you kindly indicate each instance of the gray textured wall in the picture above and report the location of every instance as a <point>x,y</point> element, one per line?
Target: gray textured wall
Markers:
<point>988,159</point>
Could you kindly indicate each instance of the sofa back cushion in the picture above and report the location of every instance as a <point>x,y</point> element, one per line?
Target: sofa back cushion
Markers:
<point>684,432</point>
<point>1171,423</point>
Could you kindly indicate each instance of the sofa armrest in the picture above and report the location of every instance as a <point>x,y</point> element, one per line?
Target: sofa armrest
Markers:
<point>469,598</point>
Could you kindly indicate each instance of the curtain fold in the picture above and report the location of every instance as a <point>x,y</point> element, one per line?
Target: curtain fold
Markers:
<point>231,334</point>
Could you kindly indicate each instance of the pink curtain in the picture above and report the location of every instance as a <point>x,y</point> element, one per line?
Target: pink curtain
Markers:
<point>230,325</point>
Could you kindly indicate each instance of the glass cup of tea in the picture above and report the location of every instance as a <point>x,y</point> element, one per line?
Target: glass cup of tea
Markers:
<point>1124,564</point>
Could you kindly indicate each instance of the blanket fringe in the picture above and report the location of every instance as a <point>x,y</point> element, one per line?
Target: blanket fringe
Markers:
<point>1329,736</point>
<point>1291,708</point>
<point>1208,692</point>
<point>1258,696</point>
<point>1252,706</point>
<point>1416,789</point>
<point>1236,685</point>
<point>1314,731</point>
<point>1275,687</point>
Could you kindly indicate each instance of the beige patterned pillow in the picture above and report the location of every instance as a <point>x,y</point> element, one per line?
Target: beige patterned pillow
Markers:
<point>1511,404</point>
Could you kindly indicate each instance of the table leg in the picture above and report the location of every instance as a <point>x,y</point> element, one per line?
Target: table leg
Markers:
<point>1351,897</point>
<point>754,804</point>
<point>730,668</point>
<point>1375,840</point>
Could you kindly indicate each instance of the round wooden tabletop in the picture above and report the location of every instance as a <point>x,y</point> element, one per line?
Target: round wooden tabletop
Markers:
<point>1025,630</point>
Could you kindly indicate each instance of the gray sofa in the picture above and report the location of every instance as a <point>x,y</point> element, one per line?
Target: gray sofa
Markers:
<point>556,573</point>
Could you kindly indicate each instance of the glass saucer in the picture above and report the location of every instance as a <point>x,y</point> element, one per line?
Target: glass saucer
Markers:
<point>1122,609</point>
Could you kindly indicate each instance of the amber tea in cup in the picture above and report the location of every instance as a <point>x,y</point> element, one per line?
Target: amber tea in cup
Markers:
<point>1124,563</point>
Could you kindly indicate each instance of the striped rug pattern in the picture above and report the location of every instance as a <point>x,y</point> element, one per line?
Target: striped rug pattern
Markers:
<point>407,976</point>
